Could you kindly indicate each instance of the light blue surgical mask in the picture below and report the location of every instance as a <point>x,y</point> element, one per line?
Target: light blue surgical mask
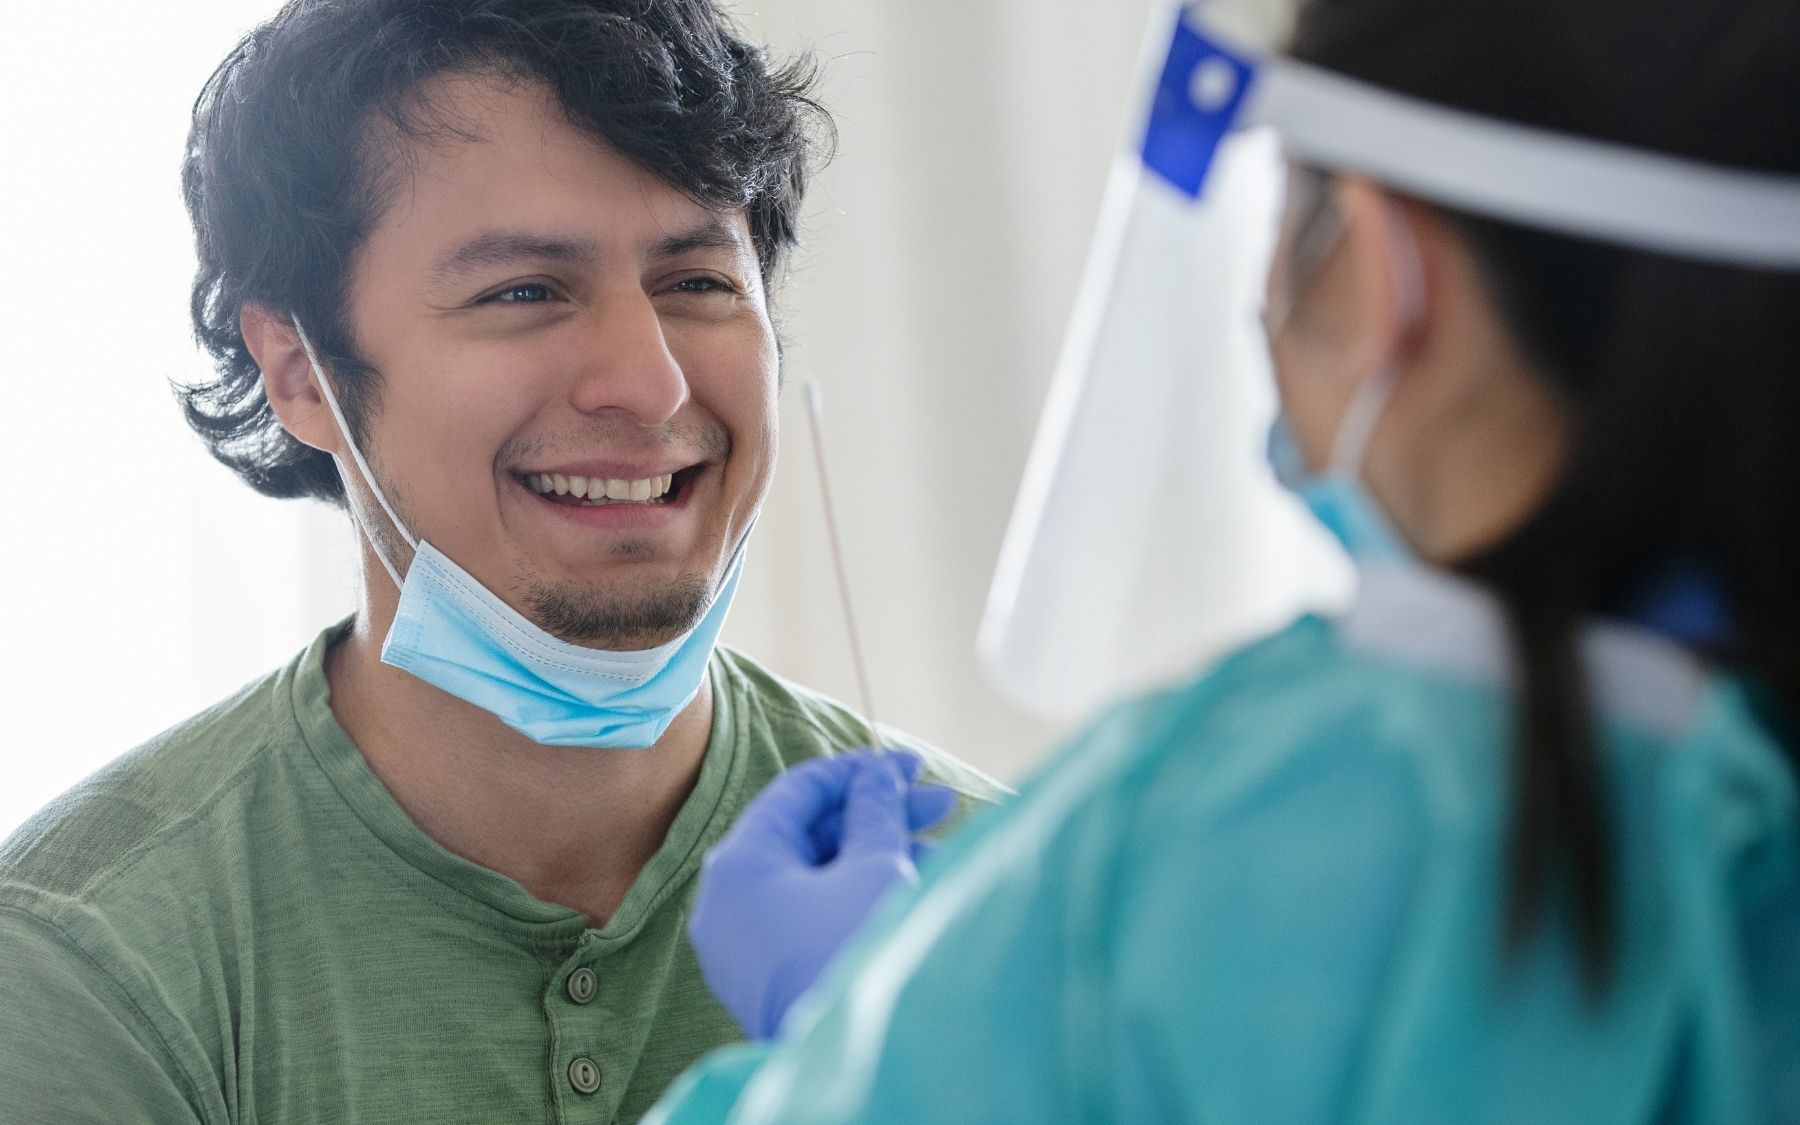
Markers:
<point>458,636</point>
<point>1337,497</point>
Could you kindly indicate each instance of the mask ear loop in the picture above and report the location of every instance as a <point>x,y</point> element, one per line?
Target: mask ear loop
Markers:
<point>1366,406</point>
<point>362,466</point>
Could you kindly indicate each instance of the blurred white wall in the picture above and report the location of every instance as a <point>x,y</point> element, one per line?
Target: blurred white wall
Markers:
<point>142,582</point>
<point>944,245</point>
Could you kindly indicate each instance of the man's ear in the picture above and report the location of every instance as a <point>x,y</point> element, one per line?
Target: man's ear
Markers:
<point>287,378</point>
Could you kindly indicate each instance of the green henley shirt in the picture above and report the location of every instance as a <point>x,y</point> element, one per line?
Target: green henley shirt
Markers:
<point>237,923</point>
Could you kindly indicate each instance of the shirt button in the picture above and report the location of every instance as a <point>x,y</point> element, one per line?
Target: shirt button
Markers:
<point>582,985</point>
<point>584,1075</point>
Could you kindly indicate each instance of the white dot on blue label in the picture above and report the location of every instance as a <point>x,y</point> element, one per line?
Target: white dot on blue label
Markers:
<point>1212,85</point>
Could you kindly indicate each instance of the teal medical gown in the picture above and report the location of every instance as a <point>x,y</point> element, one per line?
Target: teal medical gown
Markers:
<point>1274,896</point>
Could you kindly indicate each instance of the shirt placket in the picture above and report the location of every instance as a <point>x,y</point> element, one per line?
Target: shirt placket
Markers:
<point>582,1090</point>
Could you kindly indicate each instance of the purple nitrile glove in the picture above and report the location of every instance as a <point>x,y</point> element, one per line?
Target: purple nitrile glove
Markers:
<point>926,805</point>
<point>803,866</point>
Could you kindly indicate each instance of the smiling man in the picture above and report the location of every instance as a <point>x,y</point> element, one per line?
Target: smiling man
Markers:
<point>493,275</point>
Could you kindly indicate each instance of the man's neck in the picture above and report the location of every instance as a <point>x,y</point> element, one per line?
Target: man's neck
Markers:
<point>573,826</point>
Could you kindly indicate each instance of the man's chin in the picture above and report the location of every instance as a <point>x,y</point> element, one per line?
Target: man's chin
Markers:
<point>619,620</point>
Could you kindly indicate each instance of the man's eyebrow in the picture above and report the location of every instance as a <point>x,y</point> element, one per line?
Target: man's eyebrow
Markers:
<point>502,248</point>
<point>715,233</point>
<point>505,248</point>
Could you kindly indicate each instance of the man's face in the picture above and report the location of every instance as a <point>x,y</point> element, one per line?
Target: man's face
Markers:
<point>545,315</point>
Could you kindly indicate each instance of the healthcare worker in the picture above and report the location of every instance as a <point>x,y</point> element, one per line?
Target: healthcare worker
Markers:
<point>1514,838</point>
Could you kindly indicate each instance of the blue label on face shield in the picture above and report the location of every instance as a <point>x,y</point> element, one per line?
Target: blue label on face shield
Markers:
<point>1199,94</point>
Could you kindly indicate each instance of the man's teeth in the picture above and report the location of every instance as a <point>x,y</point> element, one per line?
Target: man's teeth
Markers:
<point>596,490</point>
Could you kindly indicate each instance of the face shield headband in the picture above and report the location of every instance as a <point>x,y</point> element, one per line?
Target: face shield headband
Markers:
<point>1213,86</point>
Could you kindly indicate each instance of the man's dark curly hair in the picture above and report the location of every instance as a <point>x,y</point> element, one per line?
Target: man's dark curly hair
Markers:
<point>289,164</point>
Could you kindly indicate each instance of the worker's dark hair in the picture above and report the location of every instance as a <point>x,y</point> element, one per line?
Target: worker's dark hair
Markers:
<point>296,145</point>
<point>1684,376</point>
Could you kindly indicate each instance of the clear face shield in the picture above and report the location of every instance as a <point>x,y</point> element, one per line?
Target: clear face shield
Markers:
<point>1149,534</point>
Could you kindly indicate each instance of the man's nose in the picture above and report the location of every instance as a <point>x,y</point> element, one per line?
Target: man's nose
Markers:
<point>627,364</point>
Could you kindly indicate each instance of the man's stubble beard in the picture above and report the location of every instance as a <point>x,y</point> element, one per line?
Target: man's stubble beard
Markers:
<point>588,614</point>
<point>600,615</point>
<point>594,616</point>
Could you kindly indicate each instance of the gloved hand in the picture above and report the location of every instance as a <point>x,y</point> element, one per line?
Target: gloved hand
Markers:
<point>803,866</point>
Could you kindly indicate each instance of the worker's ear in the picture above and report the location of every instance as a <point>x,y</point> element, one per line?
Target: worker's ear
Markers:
<point>288,378</point>
<point>1383,267</point>
<point>1338,306</point>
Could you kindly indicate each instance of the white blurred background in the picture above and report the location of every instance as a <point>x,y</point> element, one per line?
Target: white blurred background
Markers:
<point>944,246</point>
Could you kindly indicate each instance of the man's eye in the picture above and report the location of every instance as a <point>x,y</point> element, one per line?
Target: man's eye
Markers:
<point>703,285</point>
<point>525,293</point>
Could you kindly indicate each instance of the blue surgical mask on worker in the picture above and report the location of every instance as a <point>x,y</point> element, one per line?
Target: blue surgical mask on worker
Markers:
<point>457,635</point>
<point>1337,497</point>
